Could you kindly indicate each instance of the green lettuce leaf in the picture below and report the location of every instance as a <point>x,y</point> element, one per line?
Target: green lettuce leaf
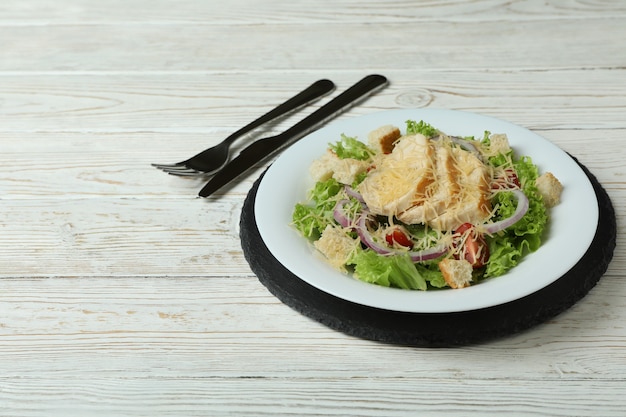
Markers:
<point>388,271</point>
<point>509,247</point>
<point>421,127</point>
<point>312,219</point>
<point>396,271</point>
<point>349,147</point>
<point>432,274</point>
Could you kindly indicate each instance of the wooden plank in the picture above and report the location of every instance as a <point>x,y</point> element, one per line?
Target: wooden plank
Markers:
<point>428,45</point>
<point>120,237</point>
<point>211,330</point>
<point>237,12</point>
<point>216,104</point>
<point>260,397</point>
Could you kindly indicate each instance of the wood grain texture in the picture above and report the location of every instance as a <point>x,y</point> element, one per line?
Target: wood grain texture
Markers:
<point>239,12</point>
<point>123,294</point>
<point>429,44</point>
<point>219,345</point>
<point>218,103</point>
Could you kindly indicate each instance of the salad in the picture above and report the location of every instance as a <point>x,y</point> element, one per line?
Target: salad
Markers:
<point>421,209</point>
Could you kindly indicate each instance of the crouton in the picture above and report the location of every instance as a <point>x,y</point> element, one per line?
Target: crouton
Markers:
<point>322,169</point>
<point>336,246</point>
<point>550,189</point>
<point>457,273</point>
<point>498,143</point>
<point>343,170</point>
<point>383,139</point>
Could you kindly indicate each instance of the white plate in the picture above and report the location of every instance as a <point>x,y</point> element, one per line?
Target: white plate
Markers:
<point>571,229</point>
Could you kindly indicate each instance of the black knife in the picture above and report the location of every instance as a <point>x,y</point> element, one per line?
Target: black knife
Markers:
<point>264,148</point>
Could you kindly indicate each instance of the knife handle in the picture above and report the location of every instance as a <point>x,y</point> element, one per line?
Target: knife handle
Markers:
<point>342,102</point>
<point>264,148</point>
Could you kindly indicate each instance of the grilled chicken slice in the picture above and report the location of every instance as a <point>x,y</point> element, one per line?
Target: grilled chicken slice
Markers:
<point>429,181</point>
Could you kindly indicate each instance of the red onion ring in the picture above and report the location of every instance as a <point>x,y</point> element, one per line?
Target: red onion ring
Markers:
<point>339,215</point>
<point>520,211</point>
<point>429,254</point>
<point>367,238</point>
<point>354,194</point>
<point>465,144</point>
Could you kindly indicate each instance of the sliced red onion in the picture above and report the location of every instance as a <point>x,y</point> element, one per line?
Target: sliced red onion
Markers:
<point>416,256</point>
<point>467,145</point>
<point>354,194</point>
<point>339,215</point>
<point>367,238</point>
<point>428,254</point>
<point>520,211</point>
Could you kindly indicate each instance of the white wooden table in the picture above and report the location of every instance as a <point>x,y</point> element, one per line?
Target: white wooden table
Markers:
<point>123,294</point>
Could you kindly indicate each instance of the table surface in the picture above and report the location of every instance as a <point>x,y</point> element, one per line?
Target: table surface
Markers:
<point>122,293</point>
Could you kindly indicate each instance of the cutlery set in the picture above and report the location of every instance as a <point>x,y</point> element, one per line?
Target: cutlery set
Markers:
<point>216,162</point>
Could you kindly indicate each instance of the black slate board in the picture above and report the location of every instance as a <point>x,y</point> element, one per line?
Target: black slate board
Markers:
<point>432,329</point>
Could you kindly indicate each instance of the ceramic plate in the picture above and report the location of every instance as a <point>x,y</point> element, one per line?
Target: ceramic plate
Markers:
<point>572,225</point>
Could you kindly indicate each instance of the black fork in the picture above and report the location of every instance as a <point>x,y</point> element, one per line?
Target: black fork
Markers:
<point>213,159</point>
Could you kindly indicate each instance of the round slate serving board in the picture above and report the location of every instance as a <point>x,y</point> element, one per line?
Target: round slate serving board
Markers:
<point>432,329</point>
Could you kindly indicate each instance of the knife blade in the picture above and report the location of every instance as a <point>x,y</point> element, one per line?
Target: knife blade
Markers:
<point>264,148</point>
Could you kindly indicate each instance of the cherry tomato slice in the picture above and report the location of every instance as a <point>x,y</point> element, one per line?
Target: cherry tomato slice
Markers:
<point>399,236</point>
<point>474,248</point>
<point>512,177</point>
<point>508,181</point>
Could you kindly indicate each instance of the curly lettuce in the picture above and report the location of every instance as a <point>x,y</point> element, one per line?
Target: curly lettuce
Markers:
<point>349,147</point>
<point>508,247</point>
<point>312,219</point>
<point>421,127</point>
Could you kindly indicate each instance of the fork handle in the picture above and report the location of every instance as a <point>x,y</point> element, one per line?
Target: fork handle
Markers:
<point>342,102</point>
<point>312,92</point>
